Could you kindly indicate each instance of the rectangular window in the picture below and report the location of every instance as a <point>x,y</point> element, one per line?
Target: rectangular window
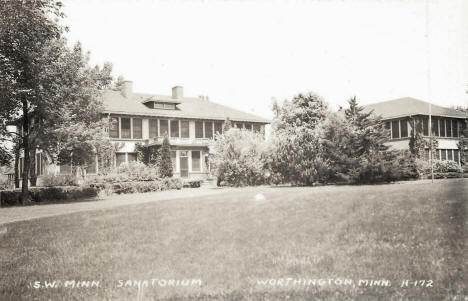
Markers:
<point>184,129</point>
<point>443,154</point>
<point>91,168</point>
<point>125,128</point>
<point>173,160</point>
<point>208,129</point>
<point>435,127</point>
<point>198,129</point>
<point>163,128</point>
<point>114,127</point>
<point>218,127</point>
<point>248,126</point>
<point>169,106</point>
<point>456,155</point>
<point>455,128</point>
<point>239,125</point>
<point>158,105</point>
<point>132,157</point>
<point>395,130</point>
<point>449,127</point>
<point>425,122</point>
<point>195,160</point>
<point>153,128</point>
<point>120,158</point>
<point>256,128</point>
<point>404,128</point>
<point>137,128</point>
<point>442,127</point>
<point>449,154</point>
<point>175,128</point>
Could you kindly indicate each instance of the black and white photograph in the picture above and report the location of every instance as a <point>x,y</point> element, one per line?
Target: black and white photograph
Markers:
<point>234,150</point>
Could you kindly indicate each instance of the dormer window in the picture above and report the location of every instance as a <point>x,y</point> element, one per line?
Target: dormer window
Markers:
<point>161,105</point>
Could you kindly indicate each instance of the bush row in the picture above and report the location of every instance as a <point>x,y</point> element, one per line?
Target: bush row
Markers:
<point>59,180</point>
<point>48,194</point>
<point>128,172</point>
<point>147,186</point>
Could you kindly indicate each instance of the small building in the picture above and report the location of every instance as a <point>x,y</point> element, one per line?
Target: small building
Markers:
<point>401,115</point>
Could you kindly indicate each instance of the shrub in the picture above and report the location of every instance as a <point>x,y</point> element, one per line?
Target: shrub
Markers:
<point>446,166</point>
<point>192,183</point>
<point>49,194</point>
<point>164,161</point>
<point>3,182</point>
<point>237,157</point>
<point>127,172</point>
<point>60,180</point>
<point>147,186</point>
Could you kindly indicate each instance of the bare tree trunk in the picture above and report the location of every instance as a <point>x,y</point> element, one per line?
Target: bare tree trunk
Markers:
<point>27,163</point>
<point>32,170</point>
<point>17,158</point>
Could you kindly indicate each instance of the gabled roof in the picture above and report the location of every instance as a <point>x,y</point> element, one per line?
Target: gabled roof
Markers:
<point>188,107</point>
<point>408,106</point>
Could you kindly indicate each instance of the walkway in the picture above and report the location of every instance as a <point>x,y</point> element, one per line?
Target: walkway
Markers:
<point>14,214</point>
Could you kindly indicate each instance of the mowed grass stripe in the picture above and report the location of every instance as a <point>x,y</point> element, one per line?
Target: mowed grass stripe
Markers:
<point>229,240</point>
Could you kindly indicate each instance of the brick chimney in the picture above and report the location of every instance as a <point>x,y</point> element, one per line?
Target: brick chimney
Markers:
<point>177,92</point>
<point>127,88</point>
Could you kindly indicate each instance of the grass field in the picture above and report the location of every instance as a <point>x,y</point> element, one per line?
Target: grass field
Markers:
<point>233,241</point>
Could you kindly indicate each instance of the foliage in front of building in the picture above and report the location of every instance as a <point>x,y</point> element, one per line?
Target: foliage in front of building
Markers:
<point>51,180</point>
<point>296,154</point>
<point>49,195</point>
<point>149,155</point>
<point>164,160</point>
<point>237,158</point>
<point>463,145</point>
<point>147,186</point>
<point>128,172</point>
<point>310,145</point>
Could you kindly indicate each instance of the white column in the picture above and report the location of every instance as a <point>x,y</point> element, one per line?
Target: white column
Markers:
<point>189,153</point>
<point>145,128</point>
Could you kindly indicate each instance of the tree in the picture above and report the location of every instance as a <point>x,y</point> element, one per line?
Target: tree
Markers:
<point>227,125</point>
<point>463,144</point>
<point>237,158</point>
<point>417,143</point>
<point>296,152</point>
<point>26,27</point>
<point>45,85</point>
<point>165,162</point>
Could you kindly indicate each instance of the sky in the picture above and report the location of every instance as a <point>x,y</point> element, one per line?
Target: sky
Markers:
<point>244,54</point>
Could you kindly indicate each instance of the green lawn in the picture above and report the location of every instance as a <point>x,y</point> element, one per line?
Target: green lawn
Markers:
<point>230,241</point>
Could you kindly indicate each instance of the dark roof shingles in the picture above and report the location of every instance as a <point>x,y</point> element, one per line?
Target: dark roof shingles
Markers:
<point>409,107</point>
<point>115,102</point>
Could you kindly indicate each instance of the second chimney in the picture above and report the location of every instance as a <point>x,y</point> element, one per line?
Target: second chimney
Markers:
<point>127,87</point>
<point>177,92</point>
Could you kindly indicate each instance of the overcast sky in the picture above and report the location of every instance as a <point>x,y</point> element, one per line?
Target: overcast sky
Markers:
<point>243,53</point>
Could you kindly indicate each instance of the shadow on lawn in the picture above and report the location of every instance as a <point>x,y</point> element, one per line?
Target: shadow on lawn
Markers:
<point>455,219</point>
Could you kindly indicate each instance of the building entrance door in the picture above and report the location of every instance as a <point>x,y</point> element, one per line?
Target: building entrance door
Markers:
<point>183,164</point>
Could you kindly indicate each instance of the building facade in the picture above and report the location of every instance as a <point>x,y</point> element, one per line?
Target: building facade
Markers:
<point>403,115</point>
<point>190,123</point>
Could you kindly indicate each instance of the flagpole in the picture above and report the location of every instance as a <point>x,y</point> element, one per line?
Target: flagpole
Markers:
<point>429,90</point>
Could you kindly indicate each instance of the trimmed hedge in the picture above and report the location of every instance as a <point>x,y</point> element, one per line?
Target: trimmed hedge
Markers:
<point>147,186</point>
<point>192,183</point>
<point>48,194</point>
